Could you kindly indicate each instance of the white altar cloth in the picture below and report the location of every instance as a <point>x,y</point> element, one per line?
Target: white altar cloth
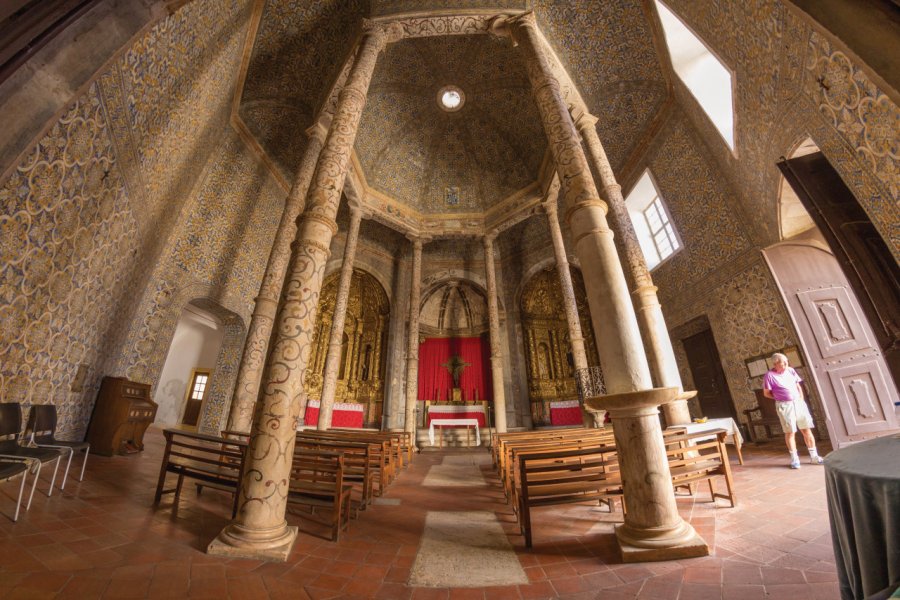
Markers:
<point>456,423</point>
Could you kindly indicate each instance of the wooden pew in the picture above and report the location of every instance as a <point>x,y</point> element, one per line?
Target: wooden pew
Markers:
<point>692,459</point>
<point>215,461</point>
<point>317,481</point>
<point>564,477</point>
<point>362,462</point>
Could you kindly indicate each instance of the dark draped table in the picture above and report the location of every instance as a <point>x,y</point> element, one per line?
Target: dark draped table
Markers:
<point>863,486</point>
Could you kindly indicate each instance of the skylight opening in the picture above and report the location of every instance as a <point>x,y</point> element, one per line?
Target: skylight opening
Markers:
<point>651,222</point>
<point>450,98</point>
<point>703,74</point>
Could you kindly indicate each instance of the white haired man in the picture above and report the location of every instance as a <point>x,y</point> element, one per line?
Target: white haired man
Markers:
<point>782,384</point>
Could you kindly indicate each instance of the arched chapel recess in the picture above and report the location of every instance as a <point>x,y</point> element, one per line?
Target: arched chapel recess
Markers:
<point>362,363</point>
<point>548,351</point>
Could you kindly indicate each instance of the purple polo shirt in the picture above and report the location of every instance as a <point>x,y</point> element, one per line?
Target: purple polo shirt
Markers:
<point>784,385</point>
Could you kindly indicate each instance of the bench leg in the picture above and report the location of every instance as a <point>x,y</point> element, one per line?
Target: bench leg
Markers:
<point>177,493</point>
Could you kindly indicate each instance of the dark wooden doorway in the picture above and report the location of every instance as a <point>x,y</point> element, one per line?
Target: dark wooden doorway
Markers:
<point>709,378</point>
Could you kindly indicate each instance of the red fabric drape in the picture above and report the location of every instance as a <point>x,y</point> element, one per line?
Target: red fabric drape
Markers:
<point>435,381</point>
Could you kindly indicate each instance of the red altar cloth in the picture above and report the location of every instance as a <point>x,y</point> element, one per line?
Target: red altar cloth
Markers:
<point>566,412</point>
<point>345,414</point>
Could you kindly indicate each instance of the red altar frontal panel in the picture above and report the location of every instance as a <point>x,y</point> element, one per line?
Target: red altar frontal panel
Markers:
<point>343,415</point>
<point>435,381</point>
<point>567,412</point>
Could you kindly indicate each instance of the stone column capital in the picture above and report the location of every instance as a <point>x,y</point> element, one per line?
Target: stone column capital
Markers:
<point>550,207</point>
<point>418,240</point>
<point>489,237</point>
<point>318,131</point>
<point>584,120</point>
<point>378,32</point>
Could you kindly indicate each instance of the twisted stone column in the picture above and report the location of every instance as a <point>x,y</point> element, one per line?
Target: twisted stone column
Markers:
<point>590,418</point>
<point>260,529</point>
<point>412,347</point>
<point>615,324</point>
<point>494,324</point>
<point>246,389</point>
<point>333,359</point>
<point>654,332</point>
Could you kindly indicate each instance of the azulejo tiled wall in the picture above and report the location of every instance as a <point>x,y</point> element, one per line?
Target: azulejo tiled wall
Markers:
<point>67,235</point>
<point>87,208</point>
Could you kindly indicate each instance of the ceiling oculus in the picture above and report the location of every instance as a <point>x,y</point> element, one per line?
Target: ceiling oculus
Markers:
<point>450,98</point>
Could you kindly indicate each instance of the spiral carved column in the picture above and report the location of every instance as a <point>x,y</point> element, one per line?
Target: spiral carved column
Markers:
<point>260,529</point>
<point>494,324</point>
<point>412,344</point>
<point>590,417</point>
<point>246,389</point>
<point>661,534</point>
<point>650,316</point>
<point>333,359</point>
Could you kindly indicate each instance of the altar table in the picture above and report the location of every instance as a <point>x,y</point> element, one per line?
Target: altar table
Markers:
<point>454,423</point>
<point>862,483</point>
<point>728,424</point>
<point>456,411</point>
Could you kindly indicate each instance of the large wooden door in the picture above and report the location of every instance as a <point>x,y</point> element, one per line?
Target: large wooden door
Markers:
<point>709,379</point>
<point>857,391</point>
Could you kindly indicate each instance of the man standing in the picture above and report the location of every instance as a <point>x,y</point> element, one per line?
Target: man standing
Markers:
<point>782,384</point>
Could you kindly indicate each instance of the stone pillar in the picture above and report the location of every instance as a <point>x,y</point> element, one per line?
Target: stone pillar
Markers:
<point>333,359</point>
<point>246,389</point>
<point>494,323</point>
<point>412,345</point>
<point>654,332</point>
<point>590,417</point>
<point>260,530</point>
<point>615,326</point>
<point>646,475</point>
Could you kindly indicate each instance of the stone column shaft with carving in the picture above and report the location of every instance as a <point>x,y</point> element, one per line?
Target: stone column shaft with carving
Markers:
<point>573,321</point>
<point>412,345</point>
<point>260,529</point>
<point>246,389</point>
<point>616,329</point>
<point>655,334</point>
<point>660,533</point>
<point>333,359</point>
<point>494,324</point>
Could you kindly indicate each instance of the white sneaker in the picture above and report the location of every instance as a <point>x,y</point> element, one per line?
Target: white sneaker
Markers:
<point>795,464</point>
<point>816,460</point>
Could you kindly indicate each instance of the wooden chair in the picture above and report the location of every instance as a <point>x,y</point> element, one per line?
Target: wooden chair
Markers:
<point>767,416</point>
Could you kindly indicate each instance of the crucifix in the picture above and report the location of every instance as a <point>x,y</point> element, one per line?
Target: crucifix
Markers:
<point>455,366</point>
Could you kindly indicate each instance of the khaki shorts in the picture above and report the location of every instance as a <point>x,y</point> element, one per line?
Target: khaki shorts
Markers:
<point>794,415</point>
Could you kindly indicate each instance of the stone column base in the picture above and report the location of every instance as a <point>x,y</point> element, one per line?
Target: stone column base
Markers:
<point>232,547</point>
<point>687,545</point>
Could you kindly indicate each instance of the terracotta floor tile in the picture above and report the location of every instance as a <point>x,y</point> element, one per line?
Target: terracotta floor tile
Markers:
<point>103,536</point>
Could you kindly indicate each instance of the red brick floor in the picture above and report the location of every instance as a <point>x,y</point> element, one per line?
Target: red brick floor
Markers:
<point>103,538</point>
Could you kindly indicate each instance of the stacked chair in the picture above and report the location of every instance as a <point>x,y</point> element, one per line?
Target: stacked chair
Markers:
<point>41,432</point>
<point>11,451</point>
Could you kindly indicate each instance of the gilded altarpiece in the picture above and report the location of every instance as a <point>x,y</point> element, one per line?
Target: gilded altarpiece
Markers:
<point>361,369</point>
<point>551,372</point>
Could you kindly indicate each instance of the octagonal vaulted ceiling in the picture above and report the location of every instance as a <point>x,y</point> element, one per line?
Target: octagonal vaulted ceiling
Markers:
<point>407,147</point>
<point>415,152</point>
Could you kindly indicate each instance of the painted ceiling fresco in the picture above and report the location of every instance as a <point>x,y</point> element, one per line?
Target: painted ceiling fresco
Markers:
<point>411,150</point>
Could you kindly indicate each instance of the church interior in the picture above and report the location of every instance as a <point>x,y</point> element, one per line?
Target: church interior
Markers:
<point>459,238</point>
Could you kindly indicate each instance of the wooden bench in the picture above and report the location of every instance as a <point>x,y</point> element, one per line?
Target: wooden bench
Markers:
<point>215,461</point>
<point>386,452</point>
<point>767,417</point>
<point>695,457</point>
<point>317,481</point>
<point>361,463</point>
<point>553,478</point>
